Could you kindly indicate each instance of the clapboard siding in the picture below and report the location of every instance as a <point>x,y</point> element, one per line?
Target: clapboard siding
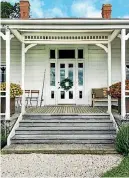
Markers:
<point>37,61</point>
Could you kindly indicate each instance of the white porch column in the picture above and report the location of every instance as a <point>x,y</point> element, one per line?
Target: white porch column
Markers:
<point>23,78</point>
<point>109,75</point>
<point>7,74</point>
<point>123,72</point>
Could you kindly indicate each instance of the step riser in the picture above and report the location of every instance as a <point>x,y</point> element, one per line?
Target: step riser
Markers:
<point>63,132</point>
<point>64,117</point>
<point>62,141</point>
<point>66,124</point>
<point>66,121</point>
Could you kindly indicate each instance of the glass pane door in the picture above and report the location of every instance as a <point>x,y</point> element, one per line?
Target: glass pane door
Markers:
<point>66,70</point>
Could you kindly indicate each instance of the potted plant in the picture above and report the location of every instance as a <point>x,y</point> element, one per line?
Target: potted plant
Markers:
<point>15,90</point>
<point>115,92</point>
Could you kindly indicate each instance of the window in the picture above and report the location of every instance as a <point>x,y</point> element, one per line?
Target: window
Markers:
<point>70,94</point>
<point>66,54</point>
<point>52,74</point>
<point>80,53</point>
<point>52,54</point>
<point>62,94</point>
<point>52,94</point>
<point>127,72</point>
<point>80,94</point>
<point>80,74</point>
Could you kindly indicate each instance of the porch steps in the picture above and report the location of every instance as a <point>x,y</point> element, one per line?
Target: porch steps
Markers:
<point>65,129</point>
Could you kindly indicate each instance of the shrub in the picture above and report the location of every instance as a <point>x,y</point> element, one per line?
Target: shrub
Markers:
<point>122,140</point>
<point>15,89</point>
<point>115,89</point>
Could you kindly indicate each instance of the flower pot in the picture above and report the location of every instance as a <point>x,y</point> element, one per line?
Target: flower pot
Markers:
<point>12,105</point>
<point>126,103</point>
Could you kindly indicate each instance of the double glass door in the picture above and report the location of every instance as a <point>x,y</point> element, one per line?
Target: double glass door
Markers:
<point>66,70</point>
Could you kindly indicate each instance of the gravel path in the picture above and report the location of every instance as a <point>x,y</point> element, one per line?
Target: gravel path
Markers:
<point>43,165</point>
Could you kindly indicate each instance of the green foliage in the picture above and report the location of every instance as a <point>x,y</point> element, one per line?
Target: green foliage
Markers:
<point>3,138</point>
<point>122,140</point>
<point>6,9</point>
<point>120,171</point>
<point>9,11</point>
<point>15,89</point>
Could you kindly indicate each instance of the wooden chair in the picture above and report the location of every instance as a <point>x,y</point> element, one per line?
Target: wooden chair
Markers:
<point>34,96</point>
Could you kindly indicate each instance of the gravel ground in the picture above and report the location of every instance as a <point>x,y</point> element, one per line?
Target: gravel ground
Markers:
<point>44,165</point>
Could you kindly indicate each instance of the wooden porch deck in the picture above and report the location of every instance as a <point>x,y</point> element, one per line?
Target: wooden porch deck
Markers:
<point>66,109</point>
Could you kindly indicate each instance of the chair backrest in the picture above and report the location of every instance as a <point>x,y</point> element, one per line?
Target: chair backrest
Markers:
<point>27,93</point>
<point>34,93</point>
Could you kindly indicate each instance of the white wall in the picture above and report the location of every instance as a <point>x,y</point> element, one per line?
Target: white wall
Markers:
<point>37,60</point>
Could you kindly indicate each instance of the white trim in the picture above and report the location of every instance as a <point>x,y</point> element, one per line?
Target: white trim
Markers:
<point>12,133</point>
<point>114,35</point>
<point>70,27</point>
<point>17,35</point>
<point>65,42</point>
<point>66,21</point>
<point>127,37</point>
<point>11,36</point>
<point>109,76</point>
<point>7,74</point>
<point>23,78</point>
<point>123,73</point>
<point>103,47</point>
<point>114,122</point>
<point>3,36</point>
<point>29,46</point>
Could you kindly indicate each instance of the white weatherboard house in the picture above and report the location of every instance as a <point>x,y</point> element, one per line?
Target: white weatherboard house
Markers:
<point>92,53</point>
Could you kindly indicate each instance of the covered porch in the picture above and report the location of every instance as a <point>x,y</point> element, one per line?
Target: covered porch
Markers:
<point>100,33</point>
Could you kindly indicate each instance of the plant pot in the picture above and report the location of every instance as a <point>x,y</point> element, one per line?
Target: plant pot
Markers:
<point>12,105</point>
<point>126,103</point>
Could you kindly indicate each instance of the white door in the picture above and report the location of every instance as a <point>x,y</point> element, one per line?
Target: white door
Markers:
<point>66,70</point>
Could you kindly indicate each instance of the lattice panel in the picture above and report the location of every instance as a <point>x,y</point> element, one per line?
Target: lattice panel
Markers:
<point>61,37</point>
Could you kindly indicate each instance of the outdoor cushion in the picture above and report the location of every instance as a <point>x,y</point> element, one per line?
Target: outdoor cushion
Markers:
<point>98,92</point>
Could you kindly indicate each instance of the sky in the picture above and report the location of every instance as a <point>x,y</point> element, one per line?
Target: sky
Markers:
<point>75,8</point>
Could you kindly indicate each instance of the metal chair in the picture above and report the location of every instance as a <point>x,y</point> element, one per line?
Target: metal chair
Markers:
<point>34,97</point>
<point>27,97</point>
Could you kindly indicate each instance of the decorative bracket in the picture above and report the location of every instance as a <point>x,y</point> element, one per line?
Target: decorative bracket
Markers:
<point>11,36</point>
<point>29,46</point>
<point>103,47</point>
<point>114,35</point>
<point>3,36</point>
<point>127,37</point>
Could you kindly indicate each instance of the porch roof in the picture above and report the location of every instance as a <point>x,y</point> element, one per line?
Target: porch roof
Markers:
<point>67,23</point>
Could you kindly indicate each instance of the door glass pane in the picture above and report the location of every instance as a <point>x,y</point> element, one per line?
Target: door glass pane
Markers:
<point>70,72</point>
<point>80,74</point>
<point>70,94</point>
<point>52,94</point>
<point>62,72</point>
<point>80,94</point>
<point>62,94</point>
<point>52,74</point>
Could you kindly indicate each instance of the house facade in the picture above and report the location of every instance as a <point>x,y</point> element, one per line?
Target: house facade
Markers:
<point>40,53</point>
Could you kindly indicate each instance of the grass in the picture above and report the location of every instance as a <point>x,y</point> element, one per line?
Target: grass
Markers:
<point>122,170</point>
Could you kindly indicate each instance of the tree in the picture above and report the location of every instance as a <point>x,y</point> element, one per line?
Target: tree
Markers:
<point>10,11</point>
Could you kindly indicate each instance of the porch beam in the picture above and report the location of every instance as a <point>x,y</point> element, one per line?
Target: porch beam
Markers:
<point>23,79</point>
<point>114,35</point>
<point>109,76</point>
<point>66,42</point>
<point>29,46</point>
<point>17,35</point>
<point>70,27</point>
<point>7,74</point>
<point>103,47</point>
<point>123,72</point>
